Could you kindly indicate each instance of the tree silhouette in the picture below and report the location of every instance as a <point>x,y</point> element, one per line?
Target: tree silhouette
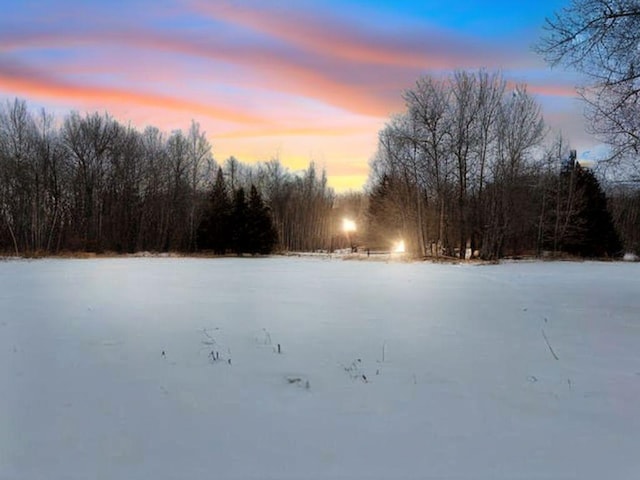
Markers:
<point>599,238</point>
<point>239,222</point>
<point>261,234</point>
<point>214,231</point>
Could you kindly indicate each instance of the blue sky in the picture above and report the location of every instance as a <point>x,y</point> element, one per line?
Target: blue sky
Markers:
<point>306,80</point>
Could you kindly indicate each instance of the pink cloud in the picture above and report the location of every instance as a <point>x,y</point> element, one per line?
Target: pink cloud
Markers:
<point>331,36</point>
<point>322,59</point>
<point>282,69</point>
<point>550,90</point>
<point>272,69</point>
<point>21,80</point>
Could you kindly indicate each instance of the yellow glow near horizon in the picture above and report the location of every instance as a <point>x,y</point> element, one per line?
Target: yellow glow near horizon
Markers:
<point>347,183</point>
<point>344,158</point>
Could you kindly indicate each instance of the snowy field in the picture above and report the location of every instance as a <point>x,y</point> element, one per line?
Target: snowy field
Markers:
<point>386,371</point>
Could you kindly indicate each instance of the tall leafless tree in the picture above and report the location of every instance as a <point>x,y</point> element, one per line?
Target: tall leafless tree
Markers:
<point>461,134</point>
<point>599,39</point>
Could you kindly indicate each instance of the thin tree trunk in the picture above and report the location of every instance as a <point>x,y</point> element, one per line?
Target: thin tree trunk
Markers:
<point>13,237</point>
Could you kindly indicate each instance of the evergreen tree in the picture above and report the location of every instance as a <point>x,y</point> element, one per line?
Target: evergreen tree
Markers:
<point>239,222</point>
<point>624,205</point>
<point>214,231</point>
<point>602,238</point>
<point>599,237</point>
<point>261,234</point>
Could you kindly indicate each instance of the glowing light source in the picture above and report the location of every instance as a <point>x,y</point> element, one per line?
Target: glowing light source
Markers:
<point>398,247</point>
<point>348,225</point>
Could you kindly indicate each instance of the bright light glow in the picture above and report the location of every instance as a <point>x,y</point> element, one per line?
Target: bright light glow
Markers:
<point>398,247</point>
<point>348,225</point>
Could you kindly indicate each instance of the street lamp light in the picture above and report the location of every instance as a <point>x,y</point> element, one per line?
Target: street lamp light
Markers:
<point>349,226</point>
<point>398,247</point>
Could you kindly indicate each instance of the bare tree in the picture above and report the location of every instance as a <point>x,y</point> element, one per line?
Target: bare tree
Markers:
<point>177,230</point>
<point>490,96</point>
<point>88,141</point>
<point>599,39</point>
<point>17,172</point>
<point>465,140</point>
<point>275,180</point>
<point>428,106</point>
<point>154,186</point>
<point>520,128</point>
<point>122,194</point>
<point>460,135</point>
<point>400,148</point>
<point>200,167</point>
<point>625,209</point>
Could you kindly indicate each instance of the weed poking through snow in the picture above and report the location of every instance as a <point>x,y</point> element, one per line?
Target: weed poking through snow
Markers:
<point>355,370</point>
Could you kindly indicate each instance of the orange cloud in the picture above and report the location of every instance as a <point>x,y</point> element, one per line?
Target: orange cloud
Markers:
<point>266,93</point>
<point>273,69</point>
<point>355,72</point>
<point>29,82</point>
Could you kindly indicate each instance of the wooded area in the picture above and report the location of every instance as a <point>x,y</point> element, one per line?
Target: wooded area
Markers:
<point>464,171</point>
<point>89,183</point>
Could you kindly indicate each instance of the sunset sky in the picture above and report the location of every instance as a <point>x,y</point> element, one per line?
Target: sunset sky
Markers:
<point>304,80</point>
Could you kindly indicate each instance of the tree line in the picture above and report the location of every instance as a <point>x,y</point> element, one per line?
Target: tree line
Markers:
<point>464,170</point>
<point>90,183</point>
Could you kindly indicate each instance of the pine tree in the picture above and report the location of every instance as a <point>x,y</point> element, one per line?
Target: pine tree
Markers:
<point>602,239</point>
<point>599,237</point>
<point>260,229</point>
<point>215,229</point>
<point>239,222</point>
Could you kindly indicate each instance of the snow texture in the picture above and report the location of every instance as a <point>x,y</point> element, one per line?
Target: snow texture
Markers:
<point>164,368</point>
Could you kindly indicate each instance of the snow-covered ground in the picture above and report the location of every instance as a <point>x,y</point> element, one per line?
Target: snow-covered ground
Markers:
<point>386,371</point>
